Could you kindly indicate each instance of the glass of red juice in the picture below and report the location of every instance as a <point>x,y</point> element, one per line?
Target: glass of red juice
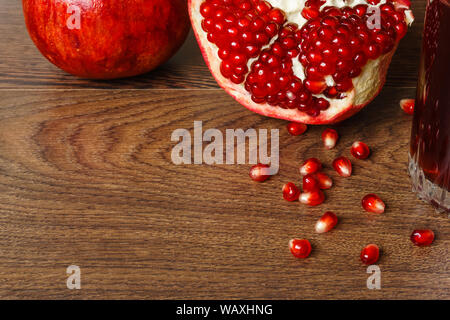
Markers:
<point>429,163</point>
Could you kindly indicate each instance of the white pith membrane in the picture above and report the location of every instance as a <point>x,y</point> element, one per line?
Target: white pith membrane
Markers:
<point>366,86</point>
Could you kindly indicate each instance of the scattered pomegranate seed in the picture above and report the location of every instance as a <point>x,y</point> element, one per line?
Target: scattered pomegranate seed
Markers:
<point>312,198</point>
<point>327,222</point>
<point>296,129</point>
<point>330,138</point>
<point>343,167</point>
<point>360,150</point>
<point>300,248</point>
<point>310,182</point>
<point>311,165</point>
<point>422,237</point>
<point>259,172</point>
<point>325,181</point>
<point>373,203</point>
<point>407,105</point>
<point>370,254</point>
<point>290,192</point>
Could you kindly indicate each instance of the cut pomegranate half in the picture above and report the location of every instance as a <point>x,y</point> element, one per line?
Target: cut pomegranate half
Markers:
<point>313,62</point>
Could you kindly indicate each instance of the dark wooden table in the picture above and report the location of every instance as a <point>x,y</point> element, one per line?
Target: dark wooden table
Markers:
<point>86,179</point>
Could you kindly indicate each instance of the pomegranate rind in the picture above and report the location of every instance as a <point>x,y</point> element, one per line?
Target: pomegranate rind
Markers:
<point>366,86</point>
<point>109,43</point>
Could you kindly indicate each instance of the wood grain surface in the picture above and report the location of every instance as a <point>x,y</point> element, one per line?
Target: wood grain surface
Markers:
<point>86,179</point>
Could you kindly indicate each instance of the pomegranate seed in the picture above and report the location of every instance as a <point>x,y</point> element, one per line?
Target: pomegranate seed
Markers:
<point>277,16</point>
<point>271,29</point>
<point>327,222</point>
<point>263,7</point>
<point>370,254</point>
<point>360,59</point>
<point>343,167</point>
<point>296,129</point>
<point>331,92</point>
<point>401,30</point>
<point>315,87</point>
<point>422,237</point>
<point>310,13</point>
<point>332,11</point>
<point>312,198</point>
<point>206,10</point>
<point>311,165</point>
<point>310,182</point>
<point>407,105</point>
<point>259,172</point>
<point>372,51</point>
<point>290,192</point>
<point>361,9</point>
<point>322,104</point>
<point>330,138</point>
<point>300,248</point>
<point>344,85</point>
<point>326,68</point>
<point>314,57</point>
<point>348,11</point>
<point>373,203</point>
<point>387,7</point>
<point>324,181</point>
<point>330,21</point>
<point>360,150</point>
<point>313,73</point>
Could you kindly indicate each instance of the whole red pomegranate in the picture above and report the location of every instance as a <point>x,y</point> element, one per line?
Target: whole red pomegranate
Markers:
<point>314,61</point>
<point>106,39</point>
